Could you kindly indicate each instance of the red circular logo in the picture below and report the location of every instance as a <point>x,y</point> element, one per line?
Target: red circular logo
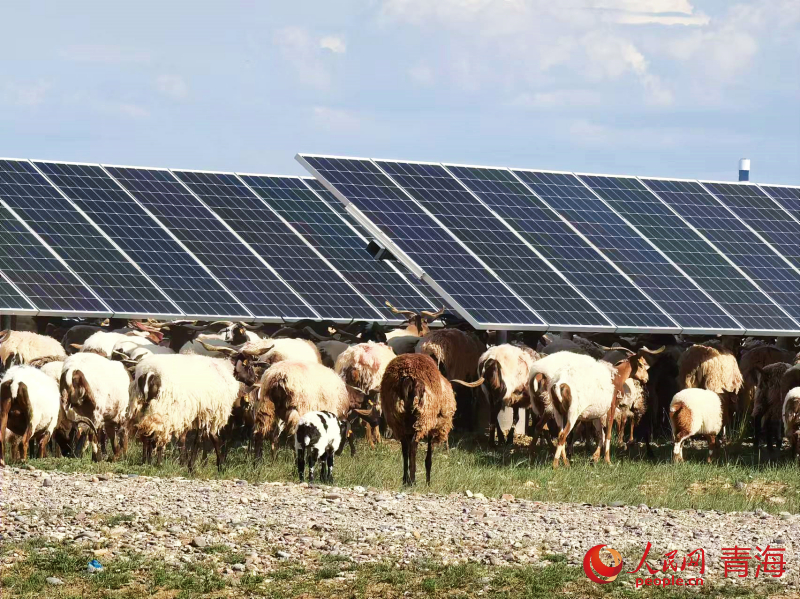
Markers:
<point>592,563</point>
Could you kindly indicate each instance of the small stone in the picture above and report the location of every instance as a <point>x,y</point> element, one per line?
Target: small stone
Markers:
<point>95,479</point>
<point>54,581</point>
<point>785,516</point>
<point>479,496</point>
<point>616,504</point>
<point>104,477</point>
<point>530,484</point>
<point>468,493</point>
<point>359,489</point>
<point>100,552</point>
<point>244,500</point>
<point>416,534</point>
<point>507,497</point>
<point>282,554</point>
<point>495,561</point>
<point>238,567</point>
<point>198,542</point>
<point>332,496</point>
<point>133,476</point>
<point>29,468</point>
<point>739,486</point>
<point>777,500</point>
<point>47,482</point>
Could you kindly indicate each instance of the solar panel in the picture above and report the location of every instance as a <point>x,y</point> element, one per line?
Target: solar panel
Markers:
<point>46,281</point>
<point>162,258</point>
<point>254,284</point>
<point>592,274</point>
<point>111,276</point>
<point>786,197</point>
<point>334,239</point>
<point>649,269</point>
<point>365,236</point>
<point>288,254</point>
<point>482,298</point>
<point>722,228</point>
<point>763,215</point>
<point>684,246</point>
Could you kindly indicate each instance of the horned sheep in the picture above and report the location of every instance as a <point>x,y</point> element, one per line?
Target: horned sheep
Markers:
<point>319,436</point>
<point>23,347</point>
<point>171,395</point>
<point>791,420</point>
<point>695,412</point>
<point>97,389</point>
<point>419,405</point>
<point>29,407</point>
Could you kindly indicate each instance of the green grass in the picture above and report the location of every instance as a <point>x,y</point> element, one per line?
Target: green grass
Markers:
<point>772,486</point>
<point>134,576</point>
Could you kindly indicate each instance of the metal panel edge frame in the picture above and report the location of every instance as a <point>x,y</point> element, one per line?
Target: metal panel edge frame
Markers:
<point>724,256</point>
<point>309,245</point>
<point>238,237</point>
<point>362,238</point>
<point>619,329</point>
<point>772,199</point>
<point>103,167</point>
<point>354,211</point>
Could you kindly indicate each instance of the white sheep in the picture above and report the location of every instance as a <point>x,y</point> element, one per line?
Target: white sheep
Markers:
<point>22,347</point>
<point>171,395</point>
<point>97,388</point>
<point>29,407</point>
<point>695,412</point>
<point>53,369</point>
<point>319,436</point>
<point>104,342</point>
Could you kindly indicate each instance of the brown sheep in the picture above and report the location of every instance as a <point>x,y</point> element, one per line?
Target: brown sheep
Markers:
<point>767,403</point>
<point>419,405</point>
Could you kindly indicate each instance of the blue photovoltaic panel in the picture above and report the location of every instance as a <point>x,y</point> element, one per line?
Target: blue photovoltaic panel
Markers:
<point>733,238</point>
<point>786,197</point>
<point>426,243</point>
<point>37,273</point>
<point>294,261</point>
<point>110,275</point>
<point>691,308</point>
<point>332,238</point>
<point>692,253</point>
<point>760,212</point>
<point>253,284</point>
<point>143,239</point>
<point>598,280</point>
<point>365,236</point>
<point>514,262</point>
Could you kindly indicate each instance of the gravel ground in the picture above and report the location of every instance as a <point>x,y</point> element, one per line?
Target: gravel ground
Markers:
<point>185,520</point>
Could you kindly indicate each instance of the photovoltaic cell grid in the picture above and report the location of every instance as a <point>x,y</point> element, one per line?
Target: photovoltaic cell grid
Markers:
<point>733,238</point>
<point>196,293</point>
<point>612,293</point>
<point>334,204</point>
<point>331,236</point>
<point>253,284</point>
<point>687,249</point>
<point>37,273</point>
<point>786,197</point>
<point>691,308</point>
<point>113,278</point>
<point>460,275</point>
<point>294,261</point>
<point>766,217</point>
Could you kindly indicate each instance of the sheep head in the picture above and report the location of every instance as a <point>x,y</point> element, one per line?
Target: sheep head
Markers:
<point>77,393</point>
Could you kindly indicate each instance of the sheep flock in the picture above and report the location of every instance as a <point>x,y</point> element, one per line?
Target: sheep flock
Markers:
<point>309,386</point>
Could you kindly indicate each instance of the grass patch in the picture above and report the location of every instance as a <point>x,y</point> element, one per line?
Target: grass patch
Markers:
<point>632,479</point>
<point>135,576</point>
<point>117,519</point>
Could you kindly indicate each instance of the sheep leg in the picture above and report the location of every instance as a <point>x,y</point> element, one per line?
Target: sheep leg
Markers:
<point>756,429</point>
<point>510,437</point>
<point>561,447</point>
<point>111,433</point>
<point>630,439</point>
<point>677,451</point>
<point>406,477</point>
<point>537,430</point>
<point>607,443</point>
<point>329,457</point>
<point>351,441</point>
<point>258,445</point>
<point>712,441</point>
<point>6,408</point>
<point>429,462</point>
<point>301,462</point>
<point>623,421</point>
<point>412,458</point>
<point>598,436</point>
<point>26,438</point>
<point>313,458</point>
<point>124,441</point>
<point>159,455</point>
<point>43,445</point>
<point>217,450</point>
<point>191,454</point>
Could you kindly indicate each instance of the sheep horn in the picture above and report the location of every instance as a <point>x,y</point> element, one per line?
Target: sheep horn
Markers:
<point>477,383</point>
<point>78,346</point>
<point>432,315</point>
<point>254,353</point>
<point>223,349</point>
<point>4,335</point>
<point>316,335</point>
<point>394,310</point>
<point>654,351</point>
<point>83,420</point>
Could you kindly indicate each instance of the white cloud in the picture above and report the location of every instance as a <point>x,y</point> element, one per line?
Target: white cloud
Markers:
<point>335,44</point>
<point>588,133</point>
<point>172,86</point>
<point>107,106</point>
<point>335,119</point>
<point>644,19</point>
<point>25,94</point>
<point>300,49</point>
<point>556,99</point>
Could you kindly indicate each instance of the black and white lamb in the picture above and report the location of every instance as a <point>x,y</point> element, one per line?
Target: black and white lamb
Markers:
<point>319,436</point>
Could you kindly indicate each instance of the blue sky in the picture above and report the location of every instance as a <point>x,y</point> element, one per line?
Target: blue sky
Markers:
<point>678,88</point>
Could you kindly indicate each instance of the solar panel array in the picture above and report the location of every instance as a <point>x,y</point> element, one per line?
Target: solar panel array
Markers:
<point>514,249</point>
